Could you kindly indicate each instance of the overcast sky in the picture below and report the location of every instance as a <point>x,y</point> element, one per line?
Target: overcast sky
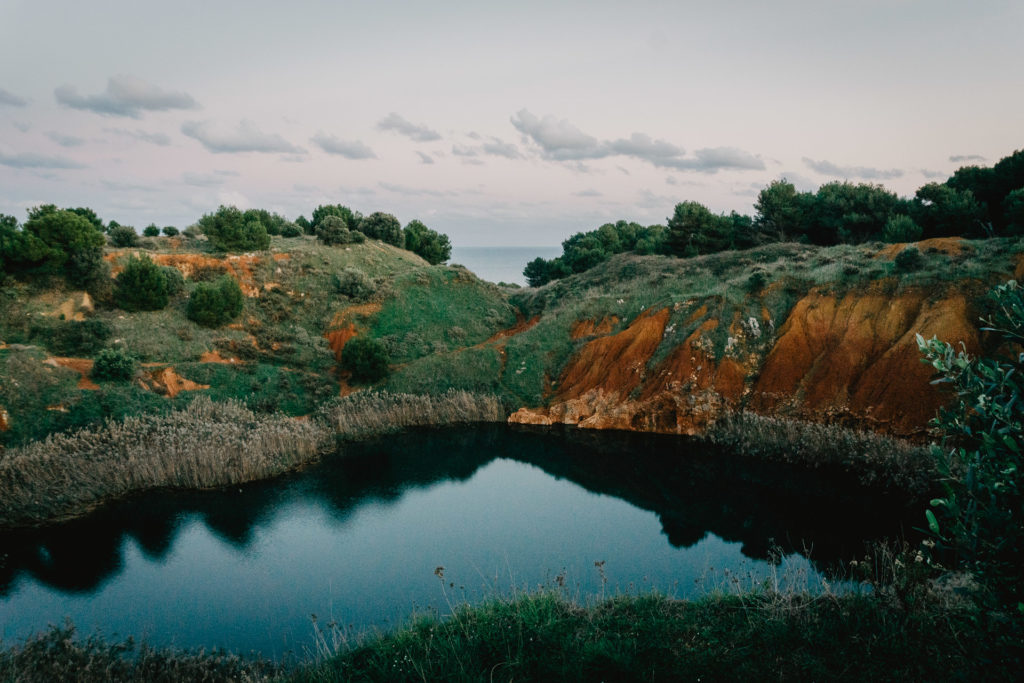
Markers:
<point>510,125</point>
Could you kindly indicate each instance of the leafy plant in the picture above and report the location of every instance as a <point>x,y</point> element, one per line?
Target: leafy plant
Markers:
<point>141,286</point>
<point>113,365</point>
<point>980,515</point>
<point>78,338</point>
<point>212,305</point>
<point>228,229</point>
<point>366,359</point>
<point>123,236</point>
<point>151,230</point>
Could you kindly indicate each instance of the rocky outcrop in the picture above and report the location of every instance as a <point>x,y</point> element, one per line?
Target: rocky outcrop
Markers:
<point>851,359</point>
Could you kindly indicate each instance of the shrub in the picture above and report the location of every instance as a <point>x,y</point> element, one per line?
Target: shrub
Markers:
<point>366,359</point>
<point>909,260</point>
<point>141,286</point>
<point>353,283</point>
<point>432,246</point>
<point>175,280</point>
<point>78,338</point>
<point>384,227</point>
<point>113,365</point>
<point>123,236</point>
<point>170,230</point>
<point>212,305</point>
<point>333,230</point>
<point>151,230</point>
<point>290,230</point>
<point>757,281</point>
<point>981,514</point>
<point>86,269</point>
<point>901,228</point>
<point>228,229</point>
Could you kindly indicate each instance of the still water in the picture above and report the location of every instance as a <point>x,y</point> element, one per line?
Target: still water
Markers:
<point>357,538</point>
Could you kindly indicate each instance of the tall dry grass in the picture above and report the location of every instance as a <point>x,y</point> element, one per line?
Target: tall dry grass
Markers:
<point>204,445</point>
<point>877,460</point>
<point>369,414</point>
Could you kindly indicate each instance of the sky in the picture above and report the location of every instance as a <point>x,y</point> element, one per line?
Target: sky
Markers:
<point>495,123</point>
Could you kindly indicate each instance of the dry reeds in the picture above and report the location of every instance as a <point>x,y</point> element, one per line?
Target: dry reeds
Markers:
<point>204,445</point>
<point>368,414</point>
<point>877,460</point>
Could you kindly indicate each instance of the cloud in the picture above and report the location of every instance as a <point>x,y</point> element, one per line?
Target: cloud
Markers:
<point>864,172</point>
<point>425,158</point>
<point>464,151</point>
<point>127,187</point>
<point>246,138</point>
<point>560,140</point>
<point>153,138</point>
<point>66,140</point>
<point>499,148</point>
<point>414,191</point>
<point>398,124</point>
<point>961,158</point>
<point>41,161</point>
<point>125,96</point>
<point>11,100</point>
<point>203,179</point>
<point>349,149</point>
<point>933,175</point>
<point>588,193</point>
<point>713,160</point>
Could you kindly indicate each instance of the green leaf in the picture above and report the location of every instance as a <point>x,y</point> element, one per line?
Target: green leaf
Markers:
<point>933,524</point>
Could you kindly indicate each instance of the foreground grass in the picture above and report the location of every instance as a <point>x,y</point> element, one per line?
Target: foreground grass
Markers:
<point>545,637</point>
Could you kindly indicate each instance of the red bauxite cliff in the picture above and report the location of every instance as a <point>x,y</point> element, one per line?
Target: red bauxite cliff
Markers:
<point>850,359</point>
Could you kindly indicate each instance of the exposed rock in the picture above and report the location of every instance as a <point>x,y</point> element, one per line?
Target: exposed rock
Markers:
<point>5,419</point>
<point>853,359</point>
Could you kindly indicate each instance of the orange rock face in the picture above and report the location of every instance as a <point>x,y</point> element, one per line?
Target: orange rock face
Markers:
<point>852,359</point>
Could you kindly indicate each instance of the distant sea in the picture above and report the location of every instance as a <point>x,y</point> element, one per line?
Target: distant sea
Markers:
<point>500,264</point>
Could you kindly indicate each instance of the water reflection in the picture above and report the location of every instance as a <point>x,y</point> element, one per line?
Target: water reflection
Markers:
<point>693,492</point>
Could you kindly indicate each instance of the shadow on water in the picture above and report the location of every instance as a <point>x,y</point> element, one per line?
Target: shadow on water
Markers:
<point>694,491</point>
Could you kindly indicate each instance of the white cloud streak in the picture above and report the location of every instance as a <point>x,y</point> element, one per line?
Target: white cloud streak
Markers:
<point>353,149</point>
<point>245,138</point>
<point>863,172</point>
<point>397,124</point>
<point>37,161</point>
<point>9,99</point>
<point>125,96</point>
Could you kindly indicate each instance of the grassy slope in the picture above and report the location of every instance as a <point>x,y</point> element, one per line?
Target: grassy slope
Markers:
<point>284,361</point>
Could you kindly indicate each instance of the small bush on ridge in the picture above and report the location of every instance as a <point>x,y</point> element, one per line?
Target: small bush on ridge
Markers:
<point>366,359</point>
<point>113,365</point>
<point>212,305</point>
<point>141,286</point>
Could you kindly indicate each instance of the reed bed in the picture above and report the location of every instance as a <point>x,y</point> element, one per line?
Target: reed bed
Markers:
<point>204,445</point>
<point>369,414</point>
<point>877,460</point>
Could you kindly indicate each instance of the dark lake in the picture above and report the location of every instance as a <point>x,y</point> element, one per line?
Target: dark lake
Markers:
<point>357,537</point>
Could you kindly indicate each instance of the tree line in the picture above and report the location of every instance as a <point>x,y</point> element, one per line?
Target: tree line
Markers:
<point>976,201</point>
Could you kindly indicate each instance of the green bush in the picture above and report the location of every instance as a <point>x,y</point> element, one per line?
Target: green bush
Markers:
<point>333,230</point>
<point>78,338</point>
<point>384,227</point>
<point>901,228</point>
<point>431,245</point>
<point>175,280</point>
<point>170,230</point>
<point>212,305</point>
<point>290,230</point>
<point>151,230</point>
<point>353,283</point>
<point>909,260</point>
<point>113,365</point>
<point>141,286</point>
<point>366,359</point>
<point>980,516</point>
<point>228,229</point>
<point>123,236</point>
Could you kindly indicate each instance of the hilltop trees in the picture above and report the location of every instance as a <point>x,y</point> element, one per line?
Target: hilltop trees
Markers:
<point>228,229</point>
<point>432,246</point>
<point>53,242</point>
<point>384,227</point>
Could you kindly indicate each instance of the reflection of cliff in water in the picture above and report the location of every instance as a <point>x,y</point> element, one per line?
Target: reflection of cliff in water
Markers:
<point>693,493</point>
